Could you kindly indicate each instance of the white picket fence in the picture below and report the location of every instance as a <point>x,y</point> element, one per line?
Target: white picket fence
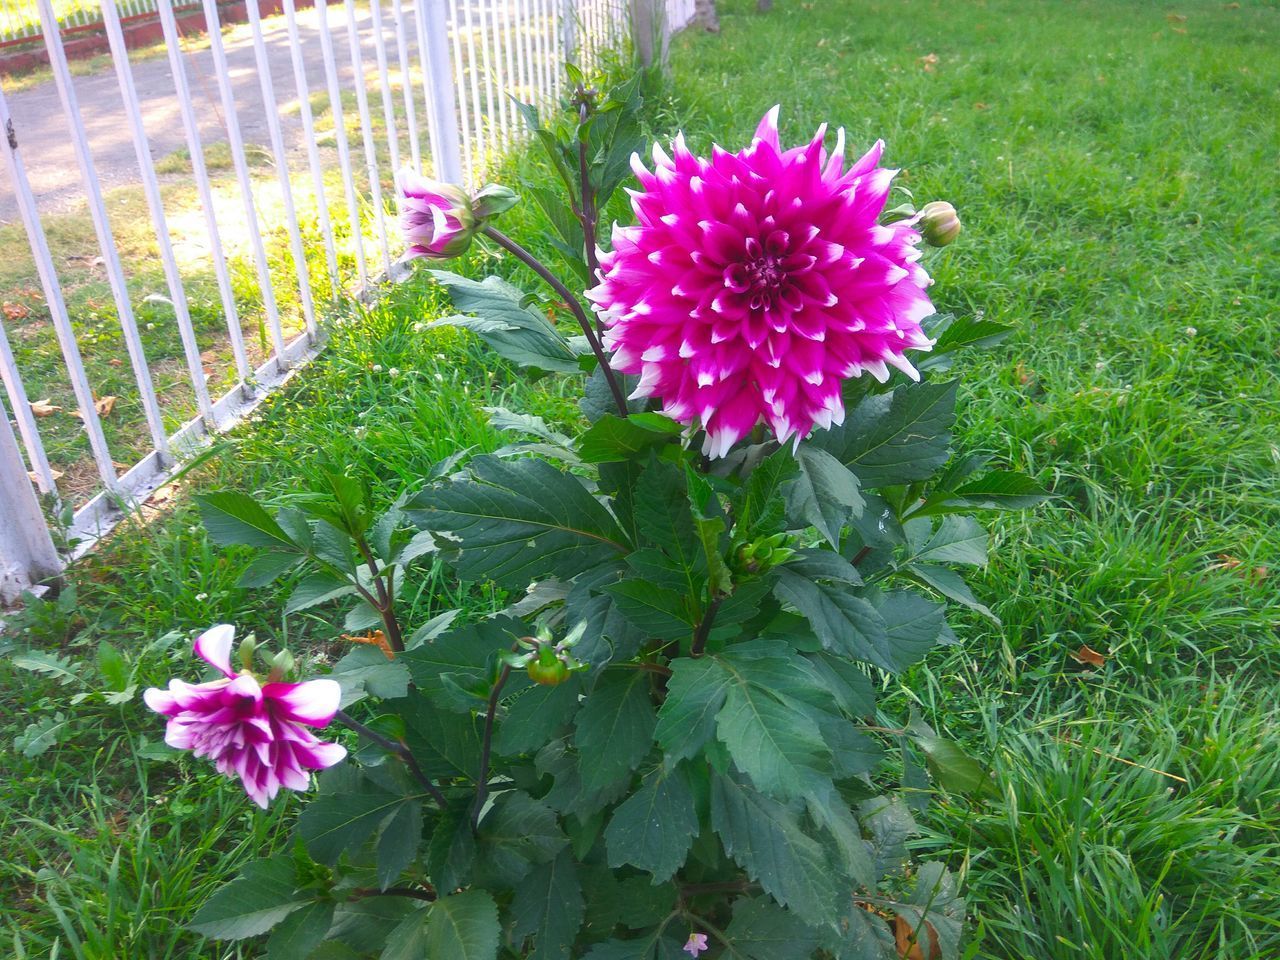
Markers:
<point>458,59</point>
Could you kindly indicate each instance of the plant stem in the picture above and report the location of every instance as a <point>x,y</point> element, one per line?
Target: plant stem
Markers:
<point>650,667</point>
<point>400,750</point>
<point>534,264</point>
<point>386,601</point>
<point>728,886</point>
<point>587,211</point>
<point>482,782</point>
<point>704,628</point>
<point>861,555</point>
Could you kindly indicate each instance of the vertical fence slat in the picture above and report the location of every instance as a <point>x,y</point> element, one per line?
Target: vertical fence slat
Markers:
<point>151,188</point>
<point>236,142</point>
<point>496,118</point>
<point>272,112</point>
<point>406,83</point>
<point>195,146</point>
<point>480,159</point>
<point>523,58</point>
<point>508,43</point>
<point>463,109</point>
<point>340,137</point>
<point>366,130</point>
<point>111,262</point>
<point>384,81</point>
<point>26,419</point>
<point>313,149</point>
<point>53,300</point>
<point>438,89</point>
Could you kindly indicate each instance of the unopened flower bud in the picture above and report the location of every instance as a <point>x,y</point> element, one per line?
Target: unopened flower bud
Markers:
<point>939,223</point>
<point>493,200</point>
<point>435,218</point>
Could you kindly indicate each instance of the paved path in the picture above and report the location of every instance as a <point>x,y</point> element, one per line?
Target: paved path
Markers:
<point>44,134</point>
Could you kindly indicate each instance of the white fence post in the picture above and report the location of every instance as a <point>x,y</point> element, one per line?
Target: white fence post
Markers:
<point>27,554</point>
<point>437,82</point>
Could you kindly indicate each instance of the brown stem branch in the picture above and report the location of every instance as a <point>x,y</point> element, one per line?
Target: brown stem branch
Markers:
<point>704,628</point>
<point>386,599</point>
<point>482,782</point>
<point>400,750</point>
<point>534,264</point>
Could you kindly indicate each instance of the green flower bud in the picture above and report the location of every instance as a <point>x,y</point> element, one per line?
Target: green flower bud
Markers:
<point>939,223</point>
<point>493,200</point>
<point>247,647</point>
<point>548,669</point>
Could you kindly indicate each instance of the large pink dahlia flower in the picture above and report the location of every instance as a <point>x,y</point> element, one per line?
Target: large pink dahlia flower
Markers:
<point>756,282</point>
<point>255,732</point>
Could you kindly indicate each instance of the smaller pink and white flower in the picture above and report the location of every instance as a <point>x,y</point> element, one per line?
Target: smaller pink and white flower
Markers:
<point>252,731</point>
<point>696,944</point>
<point>435,218</point>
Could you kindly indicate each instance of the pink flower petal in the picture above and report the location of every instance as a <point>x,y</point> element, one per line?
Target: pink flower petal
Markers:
<point>214,647</point>
<point>313,702</point>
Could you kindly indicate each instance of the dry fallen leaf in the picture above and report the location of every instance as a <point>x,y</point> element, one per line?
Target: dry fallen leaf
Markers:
<point>104,405</point>
<point>16,311</point>
<point>908,946</point>
<point>980,106</point>
<point>56,474</point>
<point>116,362</point>
<point>1232,6</point>
<point>1089,656</point>
<point>1225,562</point>
<point>1175,17</point>
<point>43,408</point>
<point>375,638</point>
<point>928,61</point>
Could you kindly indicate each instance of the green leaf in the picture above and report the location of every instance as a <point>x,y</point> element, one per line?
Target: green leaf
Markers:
<point>761,510</point>
<point>332,823</point>
<point>696,691</point>
<point>266,568</point>
<point>845,623</point>
<point>772,739</point>
<point>51,665</point>
<point>709,523</point>
<point>516,332</point>
<point>658,613</point>
<point>663,518</point>
<point>262,895</point>
<point>824,565</point>
<point>895,437</point>
<point>935,899</point>
<point>112,666</point>
<point>762,930</point>
<point>614,729</point>
<point>764,837</point>
<point>463,652</point>
<point>451,852</point>
<point>316,589</point>
<point>957,540</point>
<point>913,625</point>
<point>613,438</point>
<point>654,827</point>
<point>548,906</point>
<point>952,769</point>
<point>969,332</point>
<point>431,629</point>
<point>366,671</point>
<point>300,932</point>
<point>824,494</point>
<point>463,927</point>
<point>950,584</point>
<point>535,716</point>
<point>998,490</point>
<point>236,518</point>
<point>516,835</point>
<point>519,521</point>
<point>42,735</point>
<point>398,842</point>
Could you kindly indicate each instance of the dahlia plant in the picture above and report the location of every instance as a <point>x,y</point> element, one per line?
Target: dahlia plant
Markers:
<point>668,743</point>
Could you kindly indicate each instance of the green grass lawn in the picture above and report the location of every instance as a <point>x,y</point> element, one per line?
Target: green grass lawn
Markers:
<point>1115,165</point>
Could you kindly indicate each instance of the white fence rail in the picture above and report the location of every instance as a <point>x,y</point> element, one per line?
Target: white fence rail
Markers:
<point>428,82</point>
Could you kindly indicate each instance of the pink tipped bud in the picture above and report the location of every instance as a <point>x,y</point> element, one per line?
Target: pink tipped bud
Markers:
<point>435,218</point>
<point>939,223</point>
